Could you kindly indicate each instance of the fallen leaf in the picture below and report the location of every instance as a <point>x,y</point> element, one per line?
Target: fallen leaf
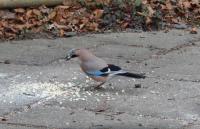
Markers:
<point>124,25</point>
<point>168,5</point>
<point>62,33</point>
<point>193,30</point>
<point>81,26</point>
<point>75,21</point>
<point>1,33</point>
<point>186,4</point>
<point>23,26</point>
<point>174,20</point>
<point>98,13</point>
<point>61,26</point>
<point>52,15</point>
<point>144,2</point>
<point>84,20</point>
<point>37,12</point>
<point>19,10</point>
<point>141,14</point>
<point>150,11</point>
<point>29,13</point>
<point>93,26</point>
<point>195,2</point>
<point>148,20</point>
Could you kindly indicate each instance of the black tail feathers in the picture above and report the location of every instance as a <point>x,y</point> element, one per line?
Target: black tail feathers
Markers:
<point>133,75</point>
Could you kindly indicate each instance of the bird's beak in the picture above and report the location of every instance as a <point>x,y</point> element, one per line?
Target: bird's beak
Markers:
<point>69,56</point>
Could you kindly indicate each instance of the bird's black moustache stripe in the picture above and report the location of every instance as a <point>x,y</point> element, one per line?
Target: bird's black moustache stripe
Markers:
<point>73,56</point>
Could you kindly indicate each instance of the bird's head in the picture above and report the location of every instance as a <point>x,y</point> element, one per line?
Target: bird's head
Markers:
<point>71,54</point>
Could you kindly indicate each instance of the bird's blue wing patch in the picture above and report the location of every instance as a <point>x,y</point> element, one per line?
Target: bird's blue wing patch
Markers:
<point>96,73</point>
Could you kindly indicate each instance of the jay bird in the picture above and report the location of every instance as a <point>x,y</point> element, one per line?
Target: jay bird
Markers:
<point>96,68</point>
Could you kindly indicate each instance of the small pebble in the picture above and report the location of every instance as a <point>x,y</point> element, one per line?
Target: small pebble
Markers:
<point>138,86</point>
<point>3,119</point>
<point>139,124</point>
<point>7,62</point>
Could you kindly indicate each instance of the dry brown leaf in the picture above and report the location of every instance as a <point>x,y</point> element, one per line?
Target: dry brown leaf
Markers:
<point>75,21</point>
<point>23,26</point>
<point>61,33</point>
<point>64,27</point>
<point>84,20</point>
<point>21,19</point>
<point>98,13</point>
<point>36,30</point>
<point>193,30</point>
<point>180,3</point>
<point>144,2</point>
<point>124,25</point>
<point>186,5</point>
<point>29,13</point>
<point>1,33</point>
<point>52,15</point>
<point>19,10</point>
<point>93,26</point>
<point>140,14</point>
<point>195,2</point>
<point>197,17</point>
<point>37,12</point>
<point>174,20</point>
<point>3,23</point>
<point>151,11</point>
<point>81,26</point>
<point>148,20</point>
<point>20,27</point>
<point>10,35</point>
<point>168,5</point>
<point>72,17</point>
<point>62,7</point>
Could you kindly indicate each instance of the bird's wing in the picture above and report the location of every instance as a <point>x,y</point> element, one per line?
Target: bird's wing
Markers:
<point>106,71</point>
<point>93,67</point>
<point>115,69</point>
<point>97,73</point>
<point>110,70</point>
<point>103,72</point>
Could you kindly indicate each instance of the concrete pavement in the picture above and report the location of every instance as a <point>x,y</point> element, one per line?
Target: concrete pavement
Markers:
<point>39,90</point>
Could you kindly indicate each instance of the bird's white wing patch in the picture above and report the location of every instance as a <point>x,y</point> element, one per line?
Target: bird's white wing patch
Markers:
<point>109,71</point>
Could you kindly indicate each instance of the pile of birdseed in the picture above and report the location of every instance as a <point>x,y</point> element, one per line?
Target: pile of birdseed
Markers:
<point>27,91</point>
<point>39,90</point>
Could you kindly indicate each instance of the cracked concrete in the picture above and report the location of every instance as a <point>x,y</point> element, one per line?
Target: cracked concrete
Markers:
<point>40,90</point>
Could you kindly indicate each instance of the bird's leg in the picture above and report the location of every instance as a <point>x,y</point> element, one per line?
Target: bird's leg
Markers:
<point>108,79</point>
<point>98,86</point>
